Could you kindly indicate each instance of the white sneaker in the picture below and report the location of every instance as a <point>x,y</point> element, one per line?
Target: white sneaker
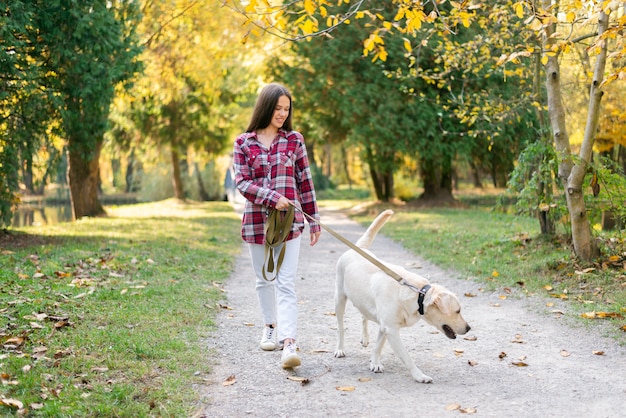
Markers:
<point>268,340</point>
<point>290,356</point>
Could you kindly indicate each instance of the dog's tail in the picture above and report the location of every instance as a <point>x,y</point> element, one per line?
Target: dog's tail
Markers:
<point>368,237</point>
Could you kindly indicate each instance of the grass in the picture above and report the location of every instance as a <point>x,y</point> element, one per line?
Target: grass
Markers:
<point>106,317</point>
<point>508,254</point>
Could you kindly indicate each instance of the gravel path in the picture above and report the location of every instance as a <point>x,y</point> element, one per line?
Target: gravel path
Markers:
<point>519,360</point>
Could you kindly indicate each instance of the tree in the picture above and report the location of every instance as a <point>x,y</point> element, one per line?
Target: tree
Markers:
<point>90,47</point>
<point>194,82</point>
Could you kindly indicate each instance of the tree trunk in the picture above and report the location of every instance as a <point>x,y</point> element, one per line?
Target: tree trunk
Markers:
<point>179,191</point>
<point>572,174</point>
<point>437,181</point>
<point>83,176</point>
<point>204,196</point>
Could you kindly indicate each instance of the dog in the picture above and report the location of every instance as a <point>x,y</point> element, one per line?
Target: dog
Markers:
<point>391,304</point>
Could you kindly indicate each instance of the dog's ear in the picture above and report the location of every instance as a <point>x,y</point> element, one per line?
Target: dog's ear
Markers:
<point>442,302</point>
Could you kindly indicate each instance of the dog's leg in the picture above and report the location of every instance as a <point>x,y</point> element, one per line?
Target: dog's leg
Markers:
<point>365,336</point>
<point>375,364</point>
<point>340,307</point>
<point>396,343</point>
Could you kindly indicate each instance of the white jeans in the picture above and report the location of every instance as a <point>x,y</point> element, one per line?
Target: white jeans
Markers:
<point>279,304</point>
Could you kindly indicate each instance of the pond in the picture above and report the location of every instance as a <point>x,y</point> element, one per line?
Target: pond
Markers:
<point>41,215</point>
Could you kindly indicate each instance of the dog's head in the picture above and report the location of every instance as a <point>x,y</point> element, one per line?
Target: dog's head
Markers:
<point>443,311</point>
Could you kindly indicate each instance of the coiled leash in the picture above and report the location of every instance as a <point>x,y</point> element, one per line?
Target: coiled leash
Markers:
<point>277,227</point>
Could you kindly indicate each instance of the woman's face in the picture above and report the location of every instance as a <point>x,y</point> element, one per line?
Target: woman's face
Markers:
<point>281,112</point>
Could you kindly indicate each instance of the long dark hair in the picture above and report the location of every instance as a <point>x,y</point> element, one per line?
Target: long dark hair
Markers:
<point>265,106</point>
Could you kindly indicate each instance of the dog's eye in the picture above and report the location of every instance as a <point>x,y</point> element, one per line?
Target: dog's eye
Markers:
<point>458,312</point>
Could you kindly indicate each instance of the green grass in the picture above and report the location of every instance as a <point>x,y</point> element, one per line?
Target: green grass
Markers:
<point>508,254</point>
<point>107,317</point>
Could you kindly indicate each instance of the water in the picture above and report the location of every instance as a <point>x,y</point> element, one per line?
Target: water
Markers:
<point>41,215</point>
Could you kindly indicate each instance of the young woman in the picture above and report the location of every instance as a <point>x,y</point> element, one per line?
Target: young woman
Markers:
<point>272,172</point>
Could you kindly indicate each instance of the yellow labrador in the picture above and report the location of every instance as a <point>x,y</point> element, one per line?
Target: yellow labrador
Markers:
<point>392,305</point>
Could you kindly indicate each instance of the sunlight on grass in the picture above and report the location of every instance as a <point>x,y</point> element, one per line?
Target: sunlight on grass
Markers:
<point>115,309</point>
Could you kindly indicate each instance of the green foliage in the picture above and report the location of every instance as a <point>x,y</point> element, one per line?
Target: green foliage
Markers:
<point>533,182</point>
<point>609,182</point>
<point>113,311</point>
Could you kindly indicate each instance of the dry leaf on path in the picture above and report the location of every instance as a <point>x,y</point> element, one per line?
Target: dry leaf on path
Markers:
<point>598,353</point>
<point>346,388</point>
<point>365,379</point>
<point>565,353</point>
<point>230,380</point>
<point>453,407</point>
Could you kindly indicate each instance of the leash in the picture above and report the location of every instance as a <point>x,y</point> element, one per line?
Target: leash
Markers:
<point>371,259</point>
<point>276,231</point>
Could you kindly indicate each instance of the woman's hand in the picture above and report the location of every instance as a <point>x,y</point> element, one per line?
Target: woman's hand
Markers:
<point>283,203</point>
<point>315,236</point>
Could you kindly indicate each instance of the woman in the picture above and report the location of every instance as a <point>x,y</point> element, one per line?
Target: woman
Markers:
<point>272,172</point>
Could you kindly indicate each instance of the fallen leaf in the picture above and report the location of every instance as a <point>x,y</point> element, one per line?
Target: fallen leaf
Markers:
<point>453,407</point>
<point>502,355</point>
<point>303,380</point>
<point>36,406</point>
<point>224,307</point>
<point>472,363</point>
<point>458,352</point>
<point>321,350</point>
<point>470,295</point>
<point>230,380</point>
<point>495,305</point>
<point>502,297</point>
<point>468,410</point>
<point>471,338</point>
<point>598,353</point>
<point>365,379</point>
<point>565,353</point>
<point>11,402</point>
<point>548,288</point>
<point>519,364</point>
<point>345,388</point>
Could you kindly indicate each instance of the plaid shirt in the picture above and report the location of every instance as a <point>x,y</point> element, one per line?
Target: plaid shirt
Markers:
<point>262,176</point>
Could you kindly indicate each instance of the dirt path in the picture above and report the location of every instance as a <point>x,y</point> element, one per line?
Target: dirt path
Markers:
<point>575,383</point>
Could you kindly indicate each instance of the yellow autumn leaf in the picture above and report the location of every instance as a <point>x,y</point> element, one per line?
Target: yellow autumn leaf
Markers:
<point>309,6</point>
<point>519,9</point>
<point>570,17</point>
<point>544,59</point>
<point>407,45</point>
<point>495,273</point>
<point>251,7</point>
<point>345,388</point>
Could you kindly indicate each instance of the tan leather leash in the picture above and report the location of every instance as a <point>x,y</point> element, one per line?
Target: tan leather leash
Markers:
<point>373,260</point>
<point>276,231</point>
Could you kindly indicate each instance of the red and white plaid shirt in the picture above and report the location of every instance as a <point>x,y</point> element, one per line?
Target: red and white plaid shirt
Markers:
<point>262,176</point>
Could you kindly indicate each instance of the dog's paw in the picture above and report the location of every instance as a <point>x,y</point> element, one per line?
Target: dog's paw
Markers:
<point>365,342</point>
<point>422,378</point>
<point>376,367</point>
<point>339,353</point>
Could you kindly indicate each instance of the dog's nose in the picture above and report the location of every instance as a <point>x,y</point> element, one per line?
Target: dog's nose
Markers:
<point>468,328</point>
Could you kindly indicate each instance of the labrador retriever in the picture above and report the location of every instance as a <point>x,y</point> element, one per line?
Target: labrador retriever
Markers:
<point>391,304</point>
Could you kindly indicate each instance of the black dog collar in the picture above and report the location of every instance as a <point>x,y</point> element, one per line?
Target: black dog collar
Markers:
<point>420,299</point>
